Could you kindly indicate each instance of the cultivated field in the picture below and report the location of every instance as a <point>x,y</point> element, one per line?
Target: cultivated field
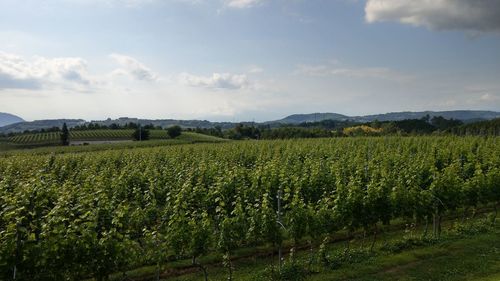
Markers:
<point>89,135</point>
<point>229,208</point>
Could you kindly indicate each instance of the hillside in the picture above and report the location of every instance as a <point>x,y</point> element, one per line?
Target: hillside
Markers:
<point>43,143</point>
<point>164,123</point>
<point>98,135</point>
<point>7,119</point>
<point>39,124</point>
<point>312,117</point>
<point>463,115</point>
<point>466,116</point>
<point>490,127</point>
<point>80,136</point>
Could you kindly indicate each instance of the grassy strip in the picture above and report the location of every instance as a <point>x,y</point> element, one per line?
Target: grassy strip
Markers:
<point>458,256</point>
<point>396,251</point>
<point>471,258</point>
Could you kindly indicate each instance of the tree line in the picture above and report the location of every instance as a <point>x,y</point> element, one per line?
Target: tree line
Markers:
<point>332,128</point>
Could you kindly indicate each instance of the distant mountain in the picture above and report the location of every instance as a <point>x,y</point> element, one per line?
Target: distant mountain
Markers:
<point>7,119</point>
<point>165,123</point>
<point>39,124</point>
<point>312,117</point>
<point>464,115</point>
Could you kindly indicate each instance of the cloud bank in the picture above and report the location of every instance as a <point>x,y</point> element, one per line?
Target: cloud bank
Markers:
<point>329,70</point>
<point>133,68</point>
<point>71,73</point>
<point>467,15</point>
<point>17,72</point>
<point>242,4</point>
<point>216,81</point>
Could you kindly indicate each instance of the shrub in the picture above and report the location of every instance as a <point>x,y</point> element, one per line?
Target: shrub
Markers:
<point>174,131</point>
<point>289,272</point>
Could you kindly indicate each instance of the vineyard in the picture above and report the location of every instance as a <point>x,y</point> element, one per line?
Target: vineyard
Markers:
<point>85,135</point>
<point>89,215</point>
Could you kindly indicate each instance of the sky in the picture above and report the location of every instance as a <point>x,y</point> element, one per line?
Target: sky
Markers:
<point>246,60</point>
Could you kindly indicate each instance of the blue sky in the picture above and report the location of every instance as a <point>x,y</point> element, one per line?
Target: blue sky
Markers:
<point>246,59</point>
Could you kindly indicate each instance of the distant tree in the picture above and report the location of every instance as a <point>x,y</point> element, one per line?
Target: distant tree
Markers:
<point>442,123</point>
<point>131,125</point>
<point>65,135</point>
<point>149,127</point>
<point>426,118</point>
<point>415,126</point>
<point>376,124</point>
<point>174,131</point>
<point>140,134</point>
<point>247,132</point>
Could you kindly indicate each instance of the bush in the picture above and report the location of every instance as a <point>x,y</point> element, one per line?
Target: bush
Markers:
<point>141,134</point>
<point>472,228</point>
<point>174,131</point>
<point>343,257</point>
<point>408,243</point>
<point>289,272</point>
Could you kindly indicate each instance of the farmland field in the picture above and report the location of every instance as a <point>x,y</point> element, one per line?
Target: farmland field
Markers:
<point>90,135</point>
<point>94,215</point>
<point>8,148</point>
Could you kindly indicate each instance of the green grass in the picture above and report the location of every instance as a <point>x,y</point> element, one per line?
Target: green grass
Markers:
<point>455,257</point>
<point>465,259</point>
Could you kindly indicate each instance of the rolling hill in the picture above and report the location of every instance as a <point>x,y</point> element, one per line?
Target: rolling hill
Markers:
<point>464,115</point>
<point>7,119</point>
<point>312,117</point>
<point>39,124</point>
<point>467,116</point>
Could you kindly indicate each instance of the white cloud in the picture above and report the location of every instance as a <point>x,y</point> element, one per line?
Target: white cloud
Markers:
<point>488,97</point>
<point>127,3</point>
<point>468,15</point>
<point>216,81</point>
<point>17,72</point>
<point>69,73</point>
<point>120,3</point>
<point>123,3</point>
<point>255,69</point>
<point>241,4</point>
<point>134,68</point>
<point>236,4</point>
<point>362,72</point>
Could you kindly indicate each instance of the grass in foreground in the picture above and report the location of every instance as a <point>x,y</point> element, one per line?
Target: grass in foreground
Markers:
<point>469,258</point>
<point>473,258</point>
<point>458,256</point>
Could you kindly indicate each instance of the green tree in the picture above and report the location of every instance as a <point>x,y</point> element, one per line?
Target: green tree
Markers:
<point>174,131</point>
<point>141,134</point>
<point>65,135</point>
